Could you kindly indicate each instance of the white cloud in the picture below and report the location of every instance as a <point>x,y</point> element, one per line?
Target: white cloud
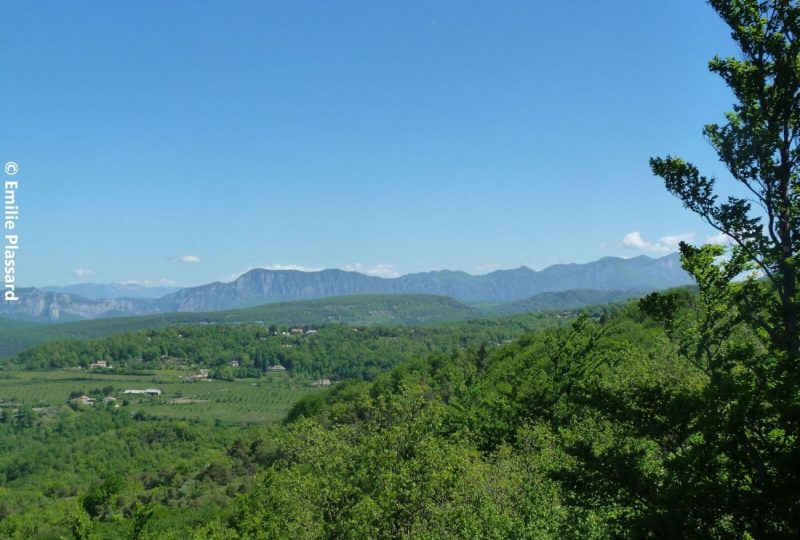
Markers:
<point>634,240</point>
<point>233,277</point>
<point>665,244</point>
<point>83,272</point>
<point>380,270</point>
<point>672,242</point>
<point>163,282</point>
<point>190,259</point>
<point>297,267</point>
<point>720,239</point>
<point>603,245</point>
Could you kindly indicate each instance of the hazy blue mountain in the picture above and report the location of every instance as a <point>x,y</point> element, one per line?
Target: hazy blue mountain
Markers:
<point>105,291</point>
<point>45,306</point>
<point>262,286</point>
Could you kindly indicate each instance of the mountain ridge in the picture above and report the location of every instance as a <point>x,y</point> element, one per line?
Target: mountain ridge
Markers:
<point>108,291</point>
<point>261,286</point>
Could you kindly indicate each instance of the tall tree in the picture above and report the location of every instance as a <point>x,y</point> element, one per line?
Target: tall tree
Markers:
<point>748,338</point>
<point>759,144</point>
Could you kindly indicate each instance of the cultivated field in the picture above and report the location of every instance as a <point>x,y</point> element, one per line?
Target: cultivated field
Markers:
<point>254,401</point>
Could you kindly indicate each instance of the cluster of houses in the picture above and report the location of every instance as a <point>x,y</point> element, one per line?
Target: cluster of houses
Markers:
<point>298,332</point>
<point>201,376</point>
<point>87,401</point>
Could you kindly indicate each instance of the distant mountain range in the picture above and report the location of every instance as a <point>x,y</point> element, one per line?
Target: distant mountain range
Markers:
<point>105,291</point>
<point>262,286</point>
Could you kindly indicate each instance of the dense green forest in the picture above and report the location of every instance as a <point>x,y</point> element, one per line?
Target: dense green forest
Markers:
<point>106,473</point>
<point>564,435</point>
<point>331,351</point>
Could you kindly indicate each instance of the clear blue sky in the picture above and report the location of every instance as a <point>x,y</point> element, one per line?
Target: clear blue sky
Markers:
<point>188,141</point>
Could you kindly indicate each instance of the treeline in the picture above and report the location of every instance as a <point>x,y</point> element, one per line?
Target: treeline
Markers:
<point>359,310</point>
<point>331,351</point>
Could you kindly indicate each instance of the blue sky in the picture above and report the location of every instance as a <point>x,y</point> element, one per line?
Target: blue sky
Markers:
<point>185,142</point>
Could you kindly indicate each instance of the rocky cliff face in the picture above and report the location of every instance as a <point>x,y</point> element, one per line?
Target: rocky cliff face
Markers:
<point>263,286</point>
<point>103,291</point>
<point>35,304</point>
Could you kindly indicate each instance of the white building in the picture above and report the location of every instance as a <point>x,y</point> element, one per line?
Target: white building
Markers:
<point>146,392</point>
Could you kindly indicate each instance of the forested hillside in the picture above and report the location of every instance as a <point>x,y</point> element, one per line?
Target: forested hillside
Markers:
<point>366,309</point>
<point>388,309</point>
<point>332,350</point>
<point>572,434</point>
<point>443,416</point>
<point>563,300</point>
